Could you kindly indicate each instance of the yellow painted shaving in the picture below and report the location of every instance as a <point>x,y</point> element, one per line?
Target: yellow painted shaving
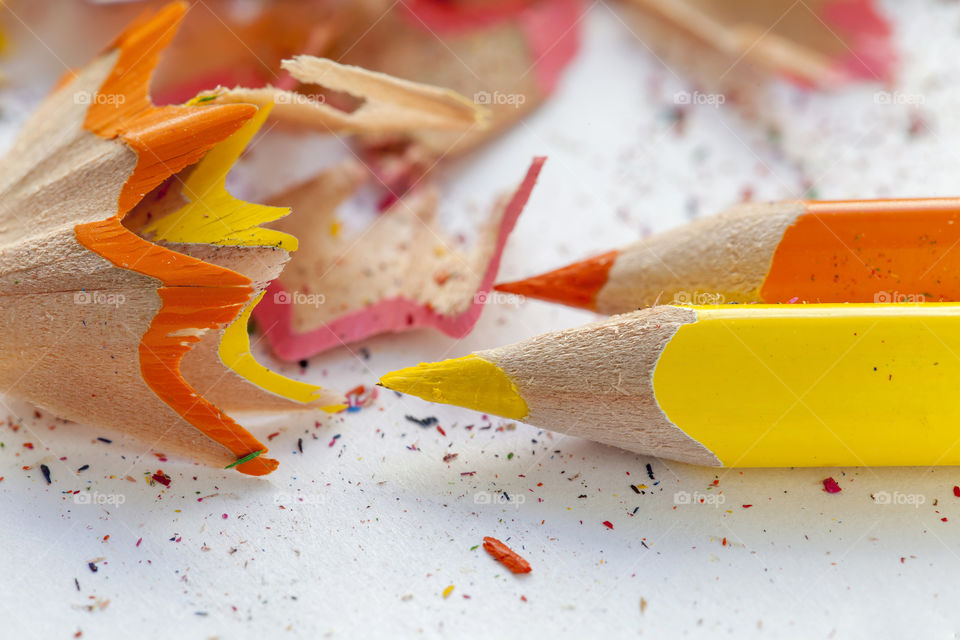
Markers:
<point>213,216</point>
<point>235,353</point>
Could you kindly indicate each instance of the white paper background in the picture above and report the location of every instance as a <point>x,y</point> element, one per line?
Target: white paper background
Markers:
<point>360,539</point>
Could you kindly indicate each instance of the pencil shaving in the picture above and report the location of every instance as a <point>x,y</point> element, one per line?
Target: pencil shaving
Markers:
<point>508,56</point>
<point>386,103</point>
<point>129,272</point>
<point>730,46</point>
<point>400,273</point>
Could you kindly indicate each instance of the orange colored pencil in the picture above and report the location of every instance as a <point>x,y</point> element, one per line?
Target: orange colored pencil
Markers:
<point>903,250</point>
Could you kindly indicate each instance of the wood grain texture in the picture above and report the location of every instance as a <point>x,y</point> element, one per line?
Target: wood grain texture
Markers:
<point>596,382</point>
<point>725,257</point>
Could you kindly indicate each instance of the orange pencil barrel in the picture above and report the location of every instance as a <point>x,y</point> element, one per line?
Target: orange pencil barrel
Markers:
<point>869,251</point>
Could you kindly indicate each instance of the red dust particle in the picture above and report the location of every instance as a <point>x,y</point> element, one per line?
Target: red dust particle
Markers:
<point>956,491</point>
<point>608,524</point>
<point>830,485</point>
<point>161,477</point>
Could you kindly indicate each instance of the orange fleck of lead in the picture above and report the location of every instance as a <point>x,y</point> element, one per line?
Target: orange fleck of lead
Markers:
<point>506,556</point>
<point>575,285</point>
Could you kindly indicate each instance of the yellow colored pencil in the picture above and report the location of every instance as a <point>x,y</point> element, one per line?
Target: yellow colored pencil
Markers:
<point>733,385</point>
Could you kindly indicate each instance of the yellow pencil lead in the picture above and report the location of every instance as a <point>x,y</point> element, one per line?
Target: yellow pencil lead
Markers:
<point>470,382</point>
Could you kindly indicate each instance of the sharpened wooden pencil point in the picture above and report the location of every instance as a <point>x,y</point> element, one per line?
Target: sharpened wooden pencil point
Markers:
<point>780,252</point>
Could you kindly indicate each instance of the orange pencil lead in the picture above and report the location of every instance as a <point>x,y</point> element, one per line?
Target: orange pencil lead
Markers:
<point>575,285</point>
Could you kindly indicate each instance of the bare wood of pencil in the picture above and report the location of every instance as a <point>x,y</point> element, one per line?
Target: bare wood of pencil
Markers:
<point>571,380</point>
<point>793,251</point>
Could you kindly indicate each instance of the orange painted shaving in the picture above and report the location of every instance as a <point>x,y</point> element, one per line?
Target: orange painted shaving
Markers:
<point>162,349</point>
<point>170,138</point>
<point>195,295</point>
<point>126,90</point>
<point>166,139</point>
<point>129,251</point>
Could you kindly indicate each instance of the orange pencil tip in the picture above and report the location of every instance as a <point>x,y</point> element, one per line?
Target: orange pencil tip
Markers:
<point>575,285</point>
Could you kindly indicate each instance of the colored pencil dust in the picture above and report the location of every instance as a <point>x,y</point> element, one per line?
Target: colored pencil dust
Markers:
<point>855,384</point>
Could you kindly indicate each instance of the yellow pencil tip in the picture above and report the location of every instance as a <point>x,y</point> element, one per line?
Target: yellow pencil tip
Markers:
<point>470,382</point>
